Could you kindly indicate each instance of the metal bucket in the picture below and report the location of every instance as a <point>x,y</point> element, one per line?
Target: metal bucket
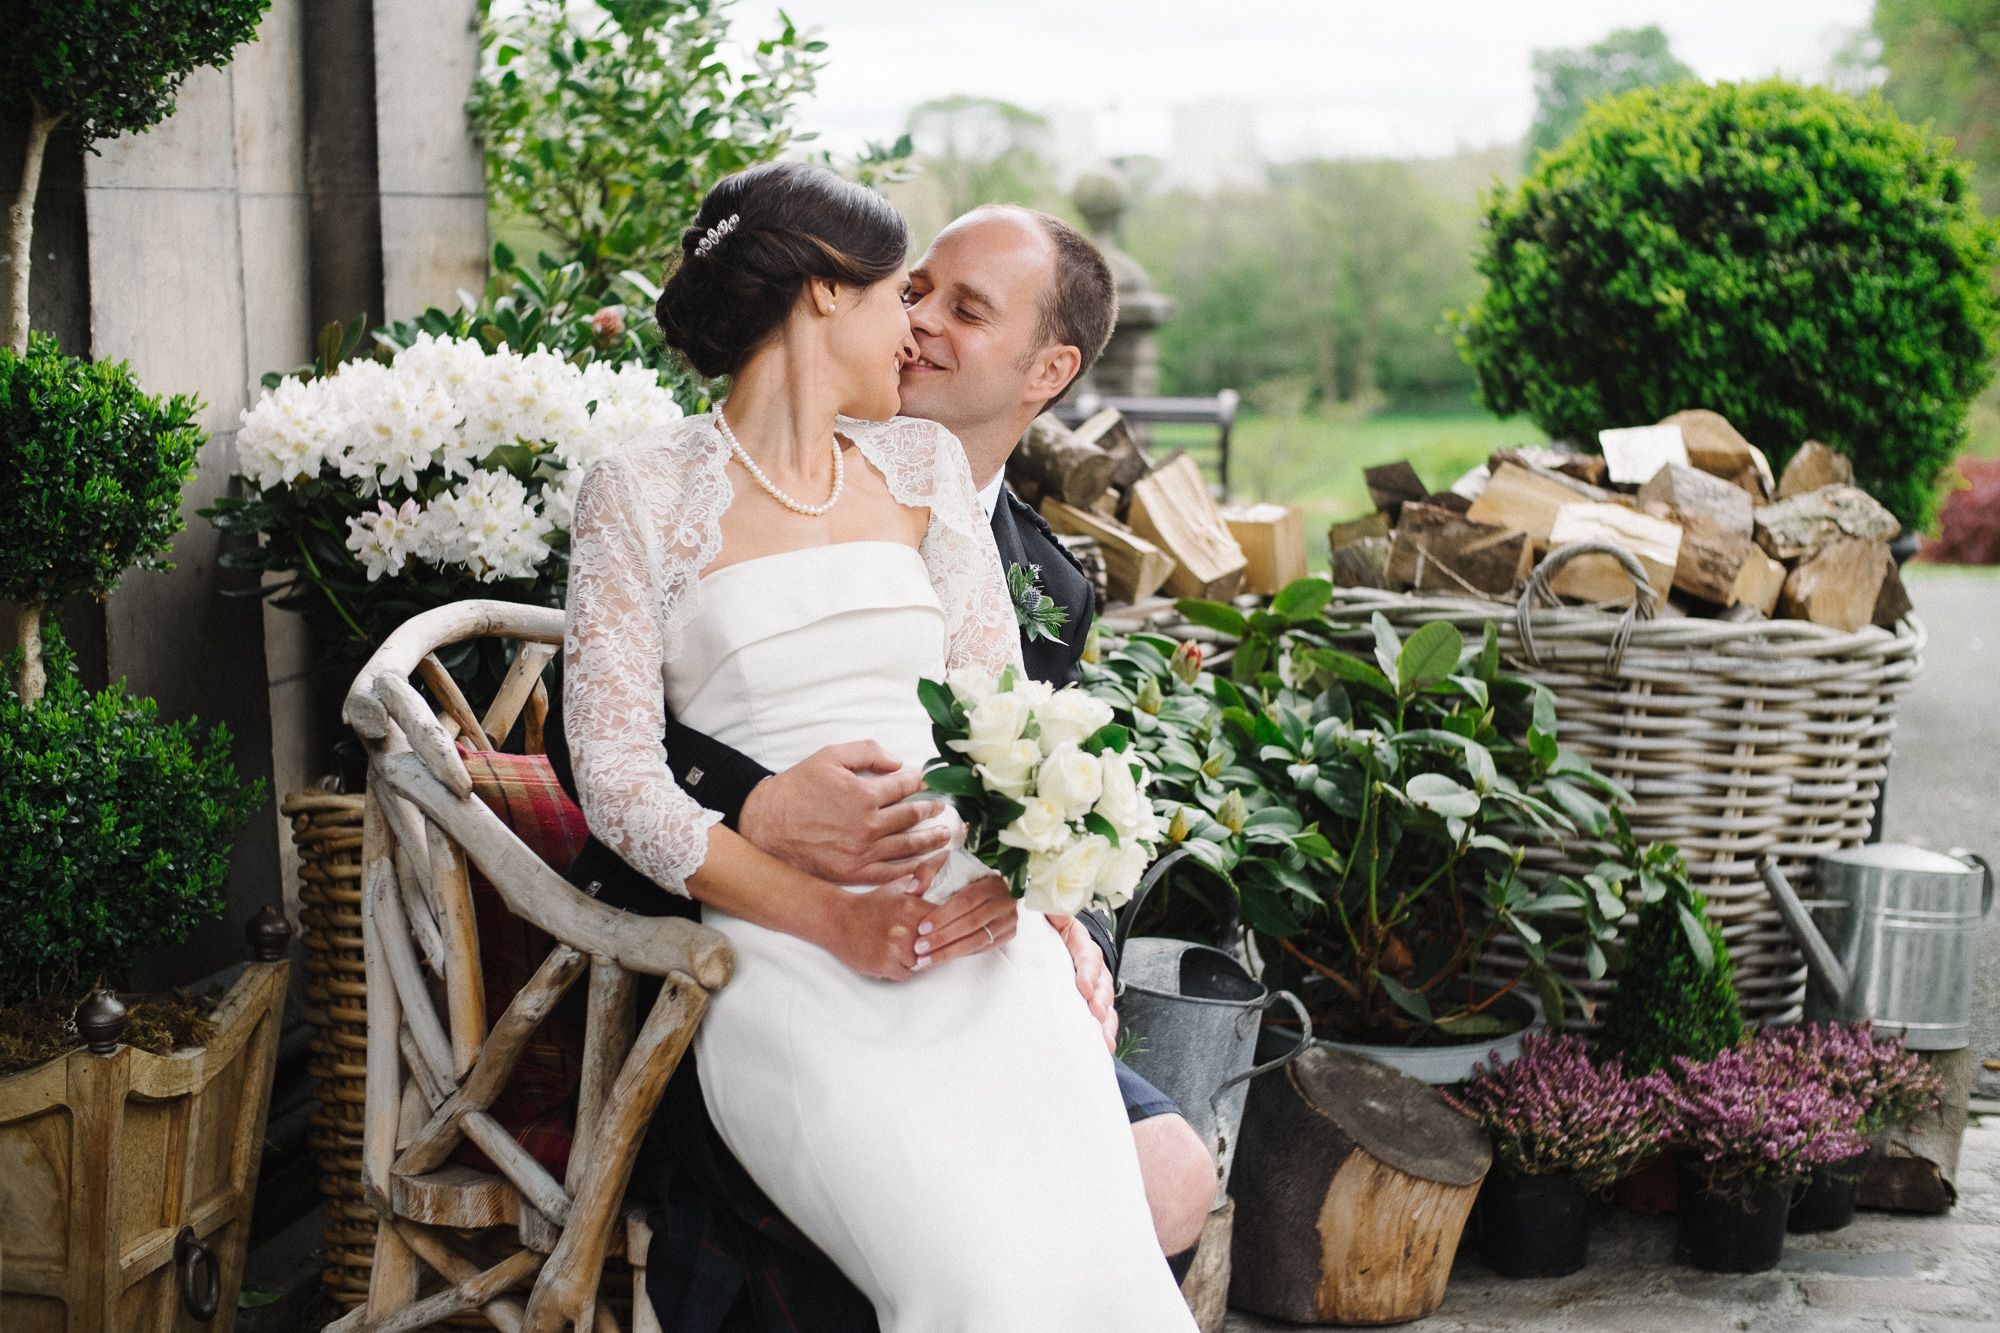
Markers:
<point>1903,923</point>
<point>1196,1013</point>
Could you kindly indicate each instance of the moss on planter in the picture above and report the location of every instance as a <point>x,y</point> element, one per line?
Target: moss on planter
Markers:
<point>38,1031</point>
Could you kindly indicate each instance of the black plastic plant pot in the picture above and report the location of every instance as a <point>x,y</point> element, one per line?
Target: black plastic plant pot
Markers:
<point>1533,1226</point>
<point>1733,1232</point>
<point>1826,1203</point>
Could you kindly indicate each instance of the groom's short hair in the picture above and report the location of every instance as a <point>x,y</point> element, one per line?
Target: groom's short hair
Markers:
<point>1081,305</point>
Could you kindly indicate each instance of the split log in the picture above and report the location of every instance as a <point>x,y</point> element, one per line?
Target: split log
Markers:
<point>1918,1169</point>
<point>1171,508</point>
<point>1090,556</point>
<point>1435,550</point>
<point>1206,1286</point>
<point>1632,454</point>
<point>1352,1185</point>
<point>1599,578</point>
<point>1111,433</point>
<point>1802,524</point>
<point>1718,448</point>
<point>1699,500</point>
<point>1839,585</point>
<point>1894,603</point>
<point>1813,466</point>
<point>1362,564</point>
<point>1356,529</point>
<point>1134,568</point>
<point>1759,581</point>
<point>1392,485</point>
<point>1527,499</point>
<point>1587,468</point>
<point>1273,538</point>
<point>1057,463</point>
<point>1710,564</point>
<point>1468,487</point>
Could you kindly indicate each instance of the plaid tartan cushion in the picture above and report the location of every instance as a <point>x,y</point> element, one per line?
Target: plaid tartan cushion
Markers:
<point>537,1107</point>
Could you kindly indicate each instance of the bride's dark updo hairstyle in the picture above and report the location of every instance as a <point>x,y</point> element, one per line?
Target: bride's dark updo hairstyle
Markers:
<point>760,235</point>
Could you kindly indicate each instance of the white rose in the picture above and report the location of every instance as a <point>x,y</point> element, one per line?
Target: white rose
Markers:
<point>970,685</point>
<point>1072,779</point>
<point>996,719</point>
<point>1008,767</point>
<point>1041,827</point>
<point>1036,692</point>
<point>1066,882</point>
<point>1070,716</point>
<point>1120,873</point>
<point>1122,801</point>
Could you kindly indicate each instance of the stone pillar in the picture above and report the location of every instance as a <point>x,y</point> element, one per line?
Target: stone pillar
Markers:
<point>1130,365</point>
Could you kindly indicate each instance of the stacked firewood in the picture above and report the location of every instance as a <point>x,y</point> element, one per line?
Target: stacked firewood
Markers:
<point>1690,498</point>
<point>1152,528</point>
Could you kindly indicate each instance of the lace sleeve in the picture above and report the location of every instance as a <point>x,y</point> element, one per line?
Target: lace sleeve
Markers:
<point>925,467</point>
<point>614,648</point>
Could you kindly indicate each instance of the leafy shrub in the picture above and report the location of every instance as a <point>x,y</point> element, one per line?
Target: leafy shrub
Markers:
<point>1676,993</point>
<point>1969,521</point>
<point>115,831</point>
<point>95,469</point>
<point>1798,260</point>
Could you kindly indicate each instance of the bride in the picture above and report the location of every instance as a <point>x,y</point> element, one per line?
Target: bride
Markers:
<point>921,1089</point>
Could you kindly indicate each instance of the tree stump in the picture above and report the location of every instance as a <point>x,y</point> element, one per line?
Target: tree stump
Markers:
<point>1352,1185</point>
<point>1918,1170</point>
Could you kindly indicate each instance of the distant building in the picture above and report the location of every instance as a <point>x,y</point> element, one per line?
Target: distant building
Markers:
<point>1212,145</point>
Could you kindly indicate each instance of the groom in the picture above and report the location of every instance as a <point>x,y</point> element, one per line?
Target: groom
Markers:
<point>1007,308</point>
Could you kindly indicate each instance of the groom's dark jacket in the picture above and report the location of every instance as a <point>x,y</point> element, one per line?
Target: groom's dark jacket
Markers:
<point>724,1259</point>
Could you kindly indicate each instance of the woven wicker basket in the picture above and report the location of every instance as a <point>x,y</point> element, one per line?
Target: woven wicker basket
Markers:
<point>326,829</point>
<point>1735,740</point>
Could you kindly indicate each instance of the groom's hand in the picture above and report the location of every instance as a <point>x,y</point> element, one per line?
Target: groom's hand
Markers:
<point>1093,978</point>
<point>835,814</point>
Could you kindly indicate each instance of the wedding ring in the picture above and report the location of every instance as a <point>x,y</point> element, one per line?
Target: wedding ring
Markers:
<point>989,935</point>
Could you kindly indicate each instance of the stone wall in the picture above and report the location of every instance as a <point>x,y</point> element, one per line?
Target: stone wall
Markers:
<point>205,252</point>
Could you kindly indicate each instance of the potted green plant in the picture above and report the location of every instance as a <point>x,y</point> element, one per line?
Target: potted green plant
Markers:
<point>1748,1128</point>
<point>115,833</point>
<point>1421,774</point>
<point>1887,1083</point>
<point>1563,1128</point>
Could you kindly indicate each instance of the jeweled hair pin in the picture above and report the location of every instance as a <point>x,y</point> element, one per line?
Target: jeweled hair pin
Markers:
<point>714,236</point>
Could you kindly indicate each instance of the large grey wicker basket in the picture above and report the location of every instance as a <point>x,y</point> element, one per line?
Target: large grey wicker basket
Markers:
<point>1735,740</point>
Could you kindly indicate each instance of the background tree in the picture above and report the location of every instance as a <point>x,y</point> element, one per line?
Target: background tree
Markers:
<point>1569,79</point>
<point>1941,60</point>
<point>606,123</point>
<point>977,150</point>
<point>102,68</point>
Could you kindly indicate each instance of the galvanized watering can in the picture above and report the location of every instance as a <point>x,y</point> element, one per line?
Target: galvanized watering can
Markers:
<point>1899,940</point>
<point>1196,1012</point>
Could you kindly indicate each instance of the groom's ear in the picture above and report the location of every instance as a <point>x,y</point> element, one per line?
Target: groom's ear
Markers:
<point>1054,367</point>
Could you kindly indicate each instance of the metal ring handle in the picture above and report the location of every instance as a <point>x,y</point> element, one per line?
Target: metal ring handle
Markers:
<point>1129,913</point>
<point>1644,600</point>
<point>1986,868</point>
<point>195,1261</point>
<point>1305,1040</point>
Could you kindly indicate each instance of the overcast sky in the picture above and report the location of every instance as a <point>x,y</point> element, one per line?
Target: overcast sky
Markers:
<point>1327,77</point>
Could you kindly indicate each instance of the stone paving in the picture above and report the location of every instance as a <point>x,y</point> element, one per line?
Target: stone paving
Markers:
<point>1895,1272</point>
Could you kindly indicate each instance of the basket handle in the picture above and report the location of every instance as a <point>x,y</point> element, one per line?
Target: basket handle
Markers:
<point>1644,600</point>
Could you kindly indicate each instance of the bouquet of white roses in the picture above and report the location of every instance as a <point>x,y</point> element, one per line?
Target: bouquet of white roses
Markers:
<point>448,472</point>
<point>1052,793</point>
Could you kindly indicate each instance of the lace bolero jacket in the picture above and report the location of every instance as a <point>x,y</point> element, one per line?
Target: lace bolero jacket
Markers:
<point>648,521</point>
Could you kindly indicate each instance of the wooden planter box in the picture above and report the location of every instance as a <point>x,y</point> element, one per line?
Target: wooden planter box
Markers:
<point>107,1160</point>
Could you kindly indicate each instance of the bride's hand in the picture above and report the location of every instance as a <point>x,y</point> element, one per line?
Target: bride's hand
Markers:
<point>875,933</point>
<point>980,916</point>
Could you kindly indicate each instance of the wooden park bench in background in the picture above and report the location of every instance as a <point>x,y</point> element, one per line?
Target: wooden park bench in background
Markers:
<point>475,1215</point>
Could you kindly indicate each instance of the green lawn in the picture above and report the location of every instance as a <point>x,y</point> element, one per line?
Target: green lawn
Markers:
<point>1315,462</point>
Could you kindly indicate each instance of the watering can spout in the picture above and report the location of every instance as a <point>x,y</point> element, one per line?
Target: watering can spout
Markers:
<point>1820,960</point>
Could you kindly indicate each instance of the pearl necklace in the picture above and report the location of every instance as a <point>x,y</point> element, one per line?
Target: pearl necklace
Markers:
<point>770,488</point>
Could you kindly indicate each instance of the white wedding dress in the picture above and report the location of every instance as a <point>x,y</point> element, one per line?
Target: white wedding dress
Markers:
<point>956,1142</point>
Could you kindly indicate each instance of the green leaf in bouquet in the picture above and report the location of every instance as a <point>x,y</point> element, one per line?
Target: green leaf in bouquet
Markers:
<point>952,780</point>
<point>1110,736</point>
<point>1101,826</point>
<point>1002,810</point>
<point>939,703</point>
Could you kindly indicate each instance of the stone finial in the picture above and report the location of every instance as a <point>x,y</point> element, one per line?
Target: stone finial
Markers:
<point>1101,198</point>
<point>100,1020</point>
<point>269,934</point>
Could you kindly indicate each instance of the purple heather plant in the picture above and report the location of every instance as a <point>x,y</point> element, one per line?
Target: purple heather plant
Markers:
<point>1551,1110</point>
<point>1754,1116</point>
<point>1888,1082</point>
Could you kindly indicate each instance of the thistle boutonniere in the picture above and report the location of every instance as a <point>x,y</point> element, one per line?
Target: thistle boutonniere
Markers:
<point>1039,615</point>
